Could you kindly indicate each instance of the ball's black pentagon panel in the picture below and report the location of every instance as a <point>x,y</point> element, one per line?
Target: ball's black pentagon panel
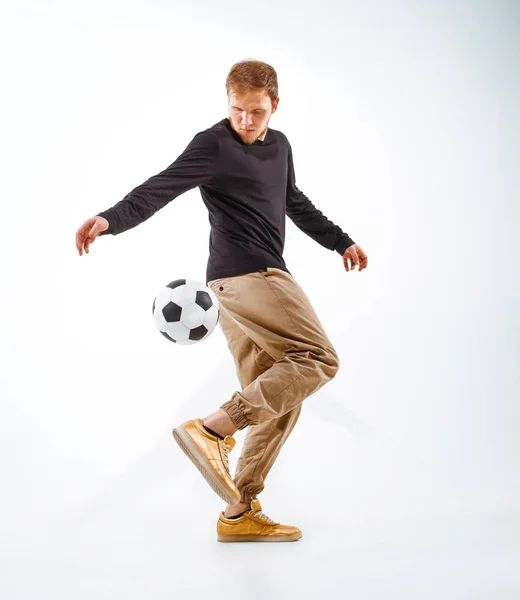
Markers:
<point>153,307</point>
<point>168,337</point>
<point>198,333</point>
<point>172,312</point>
<point>203,299</point>
<point>176,283</point>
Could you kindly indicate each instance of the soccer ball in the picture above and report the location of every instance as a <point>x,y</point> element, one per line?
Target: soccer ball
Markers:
<point>185,311</point>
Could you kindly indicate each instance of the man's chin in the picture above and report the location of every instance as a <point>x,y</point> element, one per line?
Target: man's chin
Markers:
<point>248,139</point>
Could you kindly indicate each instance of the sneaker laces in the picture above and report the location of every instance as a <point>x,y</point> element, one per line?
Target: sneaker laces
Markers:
<point>226,451</point>
<point>263,516</point>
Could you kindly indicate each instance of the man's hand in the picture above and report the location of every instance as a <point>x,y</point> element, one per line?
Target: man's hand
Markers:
<point>356,256</point>
<point>88,232</point>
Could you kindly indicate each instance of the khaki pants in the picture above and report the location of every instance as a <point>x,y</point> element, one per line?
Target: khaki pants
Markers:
<point>282,356</point>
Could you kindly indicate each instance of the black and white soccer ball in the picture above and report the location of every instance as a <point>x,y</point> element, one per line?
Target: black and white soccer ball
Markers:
<point>186,311</point>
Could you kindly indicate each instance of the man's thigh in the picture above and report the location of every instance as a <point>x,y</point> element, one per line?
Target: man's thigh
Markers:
<point>273,310</point>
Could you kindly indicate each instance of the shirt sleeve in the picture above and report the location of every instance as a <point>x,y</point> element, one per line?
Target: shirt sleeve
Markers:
<point>195,166</point>
<point>309,219</point>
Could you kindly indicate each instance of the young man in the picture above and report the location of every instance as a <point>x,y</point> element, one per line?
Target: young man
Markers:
<point>245,174</point>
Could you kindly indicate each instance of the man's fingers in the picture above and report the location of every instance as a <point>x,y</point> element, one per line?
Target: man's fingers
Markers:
<point>87,233</point>
<point>92,235</point>
<point>354,258</point>
<point>80,238</point>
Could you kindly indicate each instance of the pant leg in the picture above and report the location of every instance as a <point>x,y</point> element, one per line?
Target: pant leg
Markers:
<point>292,353</point>
<point>273,310</point>
<point>263,442</point>
<point>262,446</point>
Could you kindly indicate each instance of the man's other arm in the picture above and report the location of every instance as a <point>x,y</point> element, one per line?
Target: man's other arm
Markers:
<point>309,219</point>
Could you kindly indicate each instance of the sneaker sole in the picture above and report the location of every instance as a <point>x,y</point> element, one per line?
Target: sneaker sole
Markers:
<point>191,450</point>
<point>259,538</point>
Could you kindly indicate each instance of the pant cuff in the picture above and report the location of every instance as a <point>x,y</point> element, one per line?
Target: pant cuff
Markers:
<point>247,494</point>
<point>235,412</point>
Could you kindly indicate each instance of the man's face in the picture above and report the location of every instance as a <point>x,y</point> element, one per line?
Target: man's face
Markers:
<point>250,113</point>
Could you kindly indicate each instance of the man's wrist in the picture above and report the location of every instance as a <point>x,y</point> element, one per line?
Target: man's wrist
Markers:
<point>344,243</point>
<point>109,229</point>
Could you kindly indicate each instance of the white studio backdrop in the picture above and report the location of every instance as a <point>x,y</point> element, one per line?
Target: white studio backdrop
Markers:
<point>403,118</point>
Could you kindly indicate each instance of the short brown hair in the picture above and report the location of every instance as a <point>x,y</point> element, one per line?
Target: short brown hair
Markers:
<point>249,75</point>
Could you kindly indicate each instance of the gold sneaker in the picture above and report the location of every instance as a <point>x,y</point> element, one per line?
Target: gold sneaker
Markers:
<point>254,526</point>
<point>210,455</point>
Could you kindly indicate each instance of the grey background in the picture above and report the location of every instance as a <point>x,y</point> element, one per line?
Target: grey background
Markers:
<point>403,471</point>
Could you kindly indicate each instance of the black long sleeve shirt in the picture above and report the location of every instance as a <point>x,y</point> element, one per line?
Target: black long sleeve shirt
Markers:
<point>247,188</point>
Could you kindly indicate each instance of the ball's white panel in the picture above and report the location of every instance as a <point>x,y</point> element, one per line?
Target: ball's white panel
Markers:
<point>158,319</point>
<point>192,316</point>
<point>177,331</point>
<point>184,295</point>
<point>210,319</point>
<point>162,298</point>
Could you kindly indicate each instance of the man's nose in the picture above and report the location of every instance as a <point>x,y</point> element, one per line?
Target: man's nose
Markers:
<point>247,119</point>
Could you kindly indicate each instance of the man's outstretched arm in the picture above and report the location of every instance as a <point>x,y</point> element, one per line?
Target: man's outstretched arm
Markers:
<point>195,166</point>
